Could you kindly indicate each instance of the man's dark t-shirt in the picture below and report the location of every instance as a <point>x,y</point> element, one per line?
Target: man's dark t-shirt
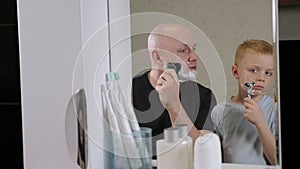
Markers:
<point>196,99</point>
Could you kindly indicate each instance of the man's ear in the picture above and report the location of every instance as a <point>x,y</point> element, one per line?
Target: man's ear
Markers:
<point>156,57</point>
<point>234,71</point>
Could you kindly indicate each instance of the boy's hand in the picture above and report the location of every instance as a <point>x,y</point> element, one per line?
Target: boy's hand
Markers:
<point>253,112</point>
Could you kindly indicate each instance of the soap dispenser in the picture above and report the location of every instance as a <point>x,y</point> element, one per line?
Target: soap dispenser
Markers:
<point>185,138</point>
<point>207,152</point>
<point>171,152</point>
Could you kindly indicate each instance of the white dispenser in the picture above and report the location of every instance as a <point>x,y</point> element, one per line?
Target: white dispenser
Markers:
<point>207,152</point>
<point>185,138</point>
<point>171,152</point>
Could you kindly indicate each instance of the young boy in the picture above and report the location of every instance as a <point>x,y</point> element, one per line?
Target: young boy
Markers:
<point>246,122</point>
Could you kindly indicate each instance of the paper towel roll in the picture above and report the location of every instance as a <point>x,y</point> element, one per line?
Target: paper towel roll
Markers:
<point>207,152</point>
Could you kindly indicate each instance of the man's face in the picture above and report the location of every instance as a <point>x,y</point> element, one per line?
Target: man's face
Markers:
<point>178,52</point>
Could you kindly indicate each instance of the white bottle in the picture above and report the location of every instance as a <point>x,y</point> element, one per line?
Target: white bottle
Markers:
<point>184,137</point>
<point>207,152</point>
<point>171,153</point>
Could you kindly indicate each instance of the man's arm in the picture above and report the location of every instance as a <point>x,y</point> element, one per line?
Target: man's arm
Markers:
<point>168,89</point>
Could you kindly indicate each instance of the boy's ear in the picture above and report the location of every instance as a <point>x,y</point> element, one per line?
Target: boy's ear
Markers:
<point>234,71</point>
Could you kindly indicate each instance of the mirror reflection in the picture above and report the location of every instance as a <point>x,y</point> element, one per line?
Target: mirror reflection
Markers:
<point>76,127</point>
<point>218,29</point>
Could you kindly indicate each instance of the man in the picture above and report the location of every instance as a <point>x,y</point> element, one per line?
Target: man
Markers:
<point>162,97</point>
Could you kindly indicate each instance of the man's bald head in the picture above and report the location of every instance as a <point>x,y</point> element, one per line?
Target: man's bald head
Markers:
<point>175,31</point>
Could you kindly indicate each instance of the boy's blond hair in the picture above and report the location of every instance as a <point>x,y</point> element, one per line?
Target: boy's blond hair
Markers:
<point>255,46</point>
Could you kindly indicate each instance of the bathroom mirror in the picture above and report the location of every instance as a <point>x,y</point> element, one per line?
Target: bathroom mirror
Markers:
<point>218,26</point>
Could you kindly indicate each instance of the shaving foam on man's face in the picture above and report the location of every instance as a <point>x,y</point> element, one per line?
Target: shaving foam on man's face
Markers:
<point>188,69</point>
<point>184,74</point>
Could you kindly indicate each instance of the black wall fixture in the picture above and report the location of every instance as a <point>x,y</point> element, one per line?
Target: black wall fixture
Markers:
<point>10,91</point>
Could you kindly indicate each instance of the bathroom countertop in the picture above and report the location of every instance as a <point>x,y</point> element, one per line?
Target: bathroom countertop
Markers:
<point>238,166</point>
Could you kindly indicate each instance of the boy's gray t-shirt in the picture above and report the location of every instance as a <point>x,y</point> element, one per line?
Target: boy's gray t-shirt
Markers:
<point>239,137</point>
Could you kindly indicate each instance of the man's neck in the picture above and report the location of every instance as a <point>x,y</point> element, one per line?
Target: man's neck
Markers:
<point>153,75</point>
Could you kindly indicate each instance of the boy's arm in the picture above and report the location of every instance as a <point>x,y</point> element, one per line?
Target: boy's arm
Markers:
<point>253,113</point>
<point>268,141</point>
